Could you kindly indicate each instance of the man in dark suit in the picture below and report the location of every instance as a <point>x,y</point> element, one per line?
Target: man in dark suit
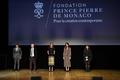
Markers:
<point>17,55</point>
<point>87,55</point>
<point>33,56</point>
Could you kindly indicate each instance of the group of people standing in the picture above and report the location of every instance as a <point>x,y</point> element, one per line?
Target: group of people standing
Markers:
<point>17,55</point>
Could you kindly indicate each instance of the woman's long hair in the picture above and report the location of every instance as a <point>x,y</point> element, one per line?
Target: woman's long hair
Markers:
<point>67,44</point>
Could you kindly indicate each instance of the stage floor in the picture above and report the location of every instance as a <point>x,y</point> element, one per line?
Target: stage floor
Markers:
<point>59,74</point>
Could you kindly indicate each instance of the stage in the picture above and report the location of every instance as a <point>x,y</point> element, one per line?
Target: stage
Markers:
<point>60,74</point>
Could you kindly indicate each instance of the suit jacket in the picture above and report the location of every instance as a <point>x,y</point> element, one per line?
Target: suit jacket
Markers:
<point>88,53</point>
<point>35,52</point>
<point>17,54</point>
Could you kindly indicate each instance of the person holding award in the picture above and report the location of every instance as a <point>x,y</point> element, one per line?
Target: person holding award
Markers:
<point>87,55</point>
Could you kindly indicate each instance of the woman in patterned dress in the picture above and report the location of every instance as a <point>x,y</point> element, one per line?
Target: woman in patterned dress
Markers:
<point>67,56</point>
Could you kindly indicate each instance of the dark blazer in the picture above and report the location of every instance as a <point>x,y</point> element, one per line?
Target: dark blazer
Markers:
<point>87,52</point>
<point>17,54</point>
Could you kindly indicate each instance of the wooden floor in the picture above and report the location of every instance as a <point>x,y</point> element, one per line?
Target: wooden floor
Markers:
<point>59,74</point>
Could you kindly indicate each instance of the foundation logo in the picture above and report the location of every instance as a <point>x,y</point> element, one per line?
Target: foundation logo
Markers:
<point>38,11</point>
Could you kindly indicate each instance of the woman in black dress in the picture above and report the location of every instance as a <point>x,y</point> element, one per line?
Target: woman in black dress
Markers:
<point>51,59</point>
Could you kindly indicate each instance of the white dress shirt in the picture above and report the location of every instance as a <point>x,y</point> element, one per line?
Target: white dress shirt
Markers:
<point>32,52</point>
<point>16,49</point>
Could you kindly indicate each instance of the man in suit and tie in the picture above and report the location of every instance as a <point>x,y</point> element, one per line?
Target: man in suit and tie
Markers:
<point>17,55</point>
<point>33,57</point>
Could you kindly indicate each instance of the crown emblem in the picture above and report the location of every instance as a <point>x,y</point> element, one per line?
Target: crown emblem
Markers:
<point>38,5</point>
